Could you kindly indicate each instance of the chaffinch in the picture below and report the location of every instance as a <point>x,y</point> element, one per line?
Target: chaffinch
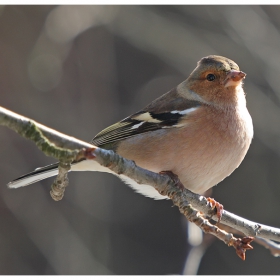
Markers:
<point>200,130</point>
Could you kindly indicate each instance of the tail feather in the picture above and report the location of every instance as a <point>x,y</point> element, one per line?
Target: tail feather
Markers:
<point>85,165</point>
<point>35,176</point>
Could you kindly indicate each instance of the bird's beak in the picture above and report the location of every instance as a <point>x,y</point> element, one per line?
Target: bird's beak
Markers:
<point>234,78</point>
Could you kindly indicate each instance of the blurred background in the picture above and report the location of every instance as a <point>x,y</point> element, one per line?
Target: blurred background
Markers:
<point>79,69</point>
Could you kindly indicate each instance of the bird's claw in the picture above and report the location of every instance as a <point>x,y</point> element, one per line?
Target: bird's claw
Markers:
<point>219,207</point>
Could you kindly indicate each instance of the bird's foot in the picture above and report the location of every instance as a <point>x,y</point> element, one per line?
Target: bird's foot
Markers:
<point>219,207</point>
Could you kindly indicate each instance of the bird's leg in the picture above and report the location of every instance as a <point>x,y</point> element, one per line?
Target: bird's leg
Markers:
<point>174,177</point>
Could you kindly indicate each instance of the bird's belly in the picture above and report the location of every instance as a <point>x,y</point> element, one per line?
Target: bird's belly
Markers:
<point>199,163</point>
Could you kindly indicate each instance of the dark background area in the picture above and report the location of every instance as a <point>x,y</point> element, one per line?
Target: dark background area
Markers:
<point>78,69</point>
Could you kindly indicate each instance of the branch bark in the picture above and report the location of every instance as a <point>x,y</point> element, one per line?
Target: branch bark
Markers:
<point>66,149</point>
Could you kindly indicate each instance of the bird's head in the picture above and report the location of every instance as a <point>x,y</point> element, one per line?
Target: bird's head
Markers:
<point>217,79</point>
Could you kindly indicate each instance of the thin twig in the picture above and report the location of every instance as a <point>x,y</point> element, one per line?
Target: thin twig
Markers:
<point>273,247</point>
<point>194,216</point>
<point>61,182</point>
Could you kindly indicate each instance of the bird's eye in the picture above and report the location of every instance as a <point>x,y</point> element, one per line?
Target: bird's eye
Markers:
<point>211,77</point>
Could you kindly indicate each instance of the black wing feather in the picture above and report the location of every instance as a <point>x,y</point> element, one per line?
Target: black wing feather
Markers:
<point>164,112</point>
<point>130,127</point>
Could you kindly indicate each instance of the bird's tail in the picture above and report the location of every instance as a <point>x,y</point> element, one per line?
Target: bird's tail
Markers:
<point>35,176</point>
<point>84,165</point>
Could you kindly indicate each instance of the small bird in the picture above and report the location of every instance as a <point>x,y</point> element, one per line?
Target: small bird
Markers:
<point>200,131</point>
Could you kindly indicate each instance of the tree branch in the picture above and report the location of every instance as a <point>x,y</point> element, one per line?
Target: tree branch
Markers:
<point>49,141</point>
<point>270,245</point>
<point>66,149</point>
